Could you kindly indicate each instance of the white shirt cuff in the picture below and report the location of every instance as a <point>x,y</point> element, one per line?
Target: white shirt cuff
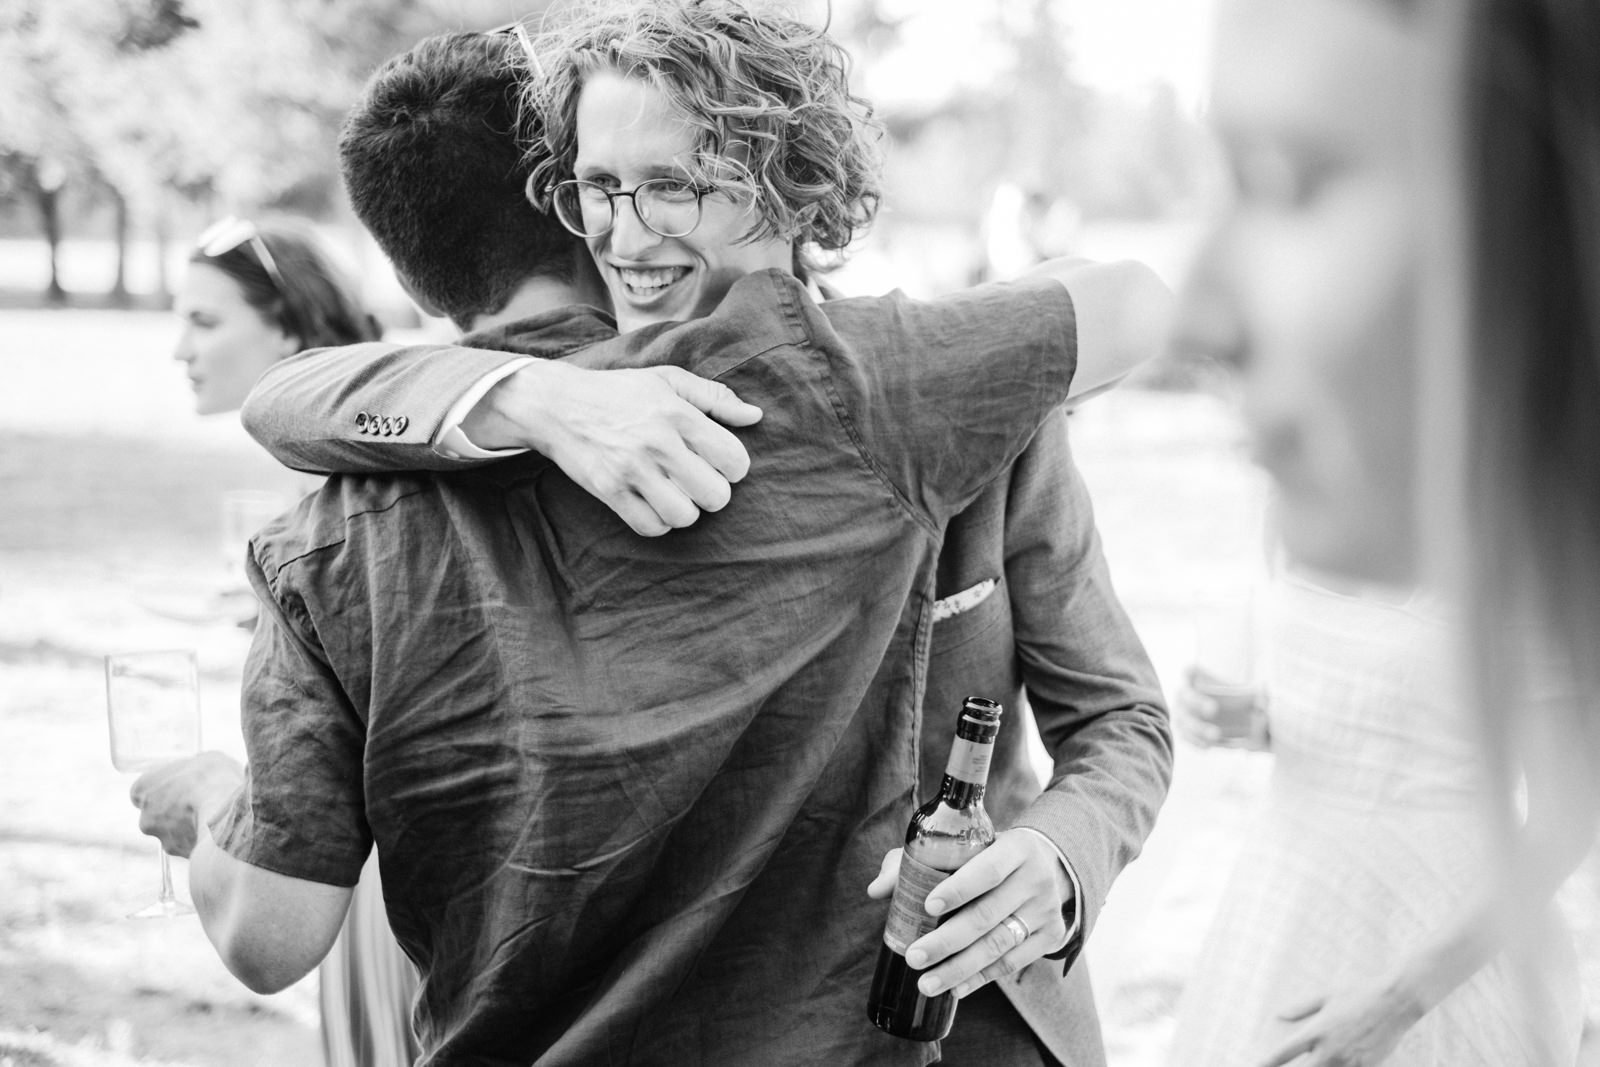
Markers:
<point>451,441</point>
<point>1072,876</point>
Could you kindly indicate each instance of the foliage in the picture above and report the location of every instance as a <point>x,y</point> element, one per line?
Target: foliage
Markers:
<point>225,103</point>
<point>1007,79</point>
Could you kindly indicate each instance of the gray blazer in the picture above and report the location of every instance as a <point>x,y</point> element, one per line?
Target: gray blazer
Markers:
<point>1051,628</point>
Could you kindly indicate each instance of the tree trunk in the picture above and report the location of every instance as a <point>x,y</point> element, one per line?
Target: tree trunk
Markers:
<point>163,236</point>
<point>50,216</point>
<point>119,286</point>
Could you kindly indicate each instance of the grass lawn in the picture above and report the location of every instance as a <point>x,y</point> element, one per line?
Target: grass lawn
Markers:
<point>111,523</point>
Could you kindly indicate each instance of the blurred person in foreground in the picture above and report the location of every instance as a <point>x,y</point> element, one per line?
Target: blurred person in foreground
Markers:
<point>255,294</point>
<point>1023,595</point>
<point>1375,826</point>
<point>657,831</point>
<point>1422,427</point>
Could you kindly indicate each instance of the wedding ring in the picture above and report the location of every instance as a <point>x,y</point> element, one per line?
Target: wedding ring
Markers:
<point>1018,926</point>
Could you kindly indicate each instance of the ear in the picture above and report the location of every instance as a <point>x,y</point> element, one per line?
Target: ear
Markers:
<point>427,306</point>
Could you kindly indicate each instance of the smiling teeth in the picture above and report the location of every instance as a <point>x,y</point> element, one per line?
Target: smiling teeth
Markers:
<point>656,278</point>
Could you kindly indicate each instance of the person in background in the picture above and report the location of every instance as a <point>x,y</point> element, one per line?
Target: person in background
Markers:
<point>1023,597</point>
<point>254,294</point>
<point>1422,426</point>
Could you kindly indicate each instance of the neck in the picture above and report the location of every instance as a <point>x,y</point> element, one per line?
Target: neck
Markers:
<point>536,296</point>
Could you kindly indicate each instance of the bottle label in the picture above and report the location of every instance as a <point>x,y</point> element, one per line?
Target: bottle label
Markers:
<point>969,760</point>
<point>908,919</point>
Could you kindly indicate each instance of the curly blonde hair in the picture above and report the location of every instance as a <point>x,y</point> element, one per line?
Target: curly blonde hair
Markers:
<point>769,96</point>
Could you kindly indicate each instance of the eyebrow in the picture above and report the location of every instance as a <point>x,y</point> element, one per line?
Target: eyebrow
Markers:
<point>582,166</point>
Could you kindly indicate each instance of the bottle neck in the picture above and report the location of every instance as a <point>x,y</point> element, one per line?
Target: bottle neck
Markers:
<point>967,772</point>
<point>960,794</point>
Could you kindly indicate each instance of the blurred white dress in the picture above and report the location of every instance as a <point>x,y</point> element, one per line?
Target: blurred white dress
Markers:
<point>1371,835</point>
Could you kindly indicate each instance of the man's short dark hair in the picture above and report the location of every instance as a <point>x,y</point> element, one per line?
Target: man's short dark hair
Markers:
<point>434,159</point>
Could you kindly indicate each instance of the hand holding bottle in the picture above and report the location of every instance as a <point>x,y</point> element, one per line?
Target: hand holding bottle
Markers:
<point>977,905</point>
<point>1019,875</point>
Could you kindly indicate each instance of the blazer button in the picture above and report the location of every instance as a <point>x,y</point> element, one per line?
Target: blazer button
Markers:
<point>361,421</point>
<point>400,423</point>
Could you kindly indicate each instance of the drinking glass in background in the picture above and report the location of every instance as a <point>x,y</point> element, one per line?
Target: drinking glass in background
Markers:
<point>1225,670</point>
<point>153,708</point>
<point>244,511</point>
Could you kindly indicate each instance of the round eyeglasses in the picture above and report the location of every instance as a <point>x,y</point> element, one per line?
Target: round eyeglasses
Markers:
<point>668,207</point>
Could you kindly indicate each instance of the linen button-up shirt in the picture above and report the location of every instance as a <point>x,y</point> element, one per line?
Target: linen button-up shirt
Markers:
<point>626,792</point>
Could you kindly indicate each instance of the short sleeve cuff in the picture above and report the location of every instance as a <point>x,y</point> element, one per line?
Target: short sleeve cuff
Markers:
<point>451,441</point>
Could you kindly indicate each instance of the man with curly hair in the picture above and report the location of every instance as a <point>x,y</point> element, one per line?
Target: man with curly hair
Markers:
<point>702,146</point>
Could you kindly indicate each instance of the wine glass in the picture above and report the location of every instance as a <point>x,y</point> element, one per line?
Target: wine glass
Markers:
<point>244,513</point>
<point>1225,668</point>
<point>153,707</point>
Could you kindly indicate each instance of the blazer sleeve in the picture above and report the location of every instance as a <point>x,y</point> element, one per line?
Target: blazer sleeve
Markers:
<point>1092,689</point>
<point>364,408</point>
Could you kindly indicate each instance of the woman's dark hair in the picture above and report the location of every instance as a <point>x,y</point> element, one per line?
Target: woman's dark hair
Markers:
<point>1531,161</point>
<point>309,298</point>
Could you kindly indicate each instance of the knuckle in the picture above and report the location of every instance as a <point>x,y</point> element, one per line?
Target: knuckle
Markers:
<point>628,467</point>
<point>613,494</point>
<point>1000,968</point>
<point>1000,940</point>
<point>988,911</point>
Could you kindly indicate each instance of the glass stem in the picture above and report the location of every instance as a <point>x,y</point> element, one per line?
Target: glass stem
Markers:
<point>167,895</point>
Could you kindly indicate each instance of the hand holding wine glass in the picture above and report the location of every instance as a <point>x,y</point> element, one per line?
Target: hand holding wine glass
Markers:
<point>153,709</point>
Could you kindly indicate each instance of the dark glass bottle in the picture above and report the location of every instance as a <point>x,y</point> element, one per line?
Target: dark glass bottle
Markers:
<point>944,833</point>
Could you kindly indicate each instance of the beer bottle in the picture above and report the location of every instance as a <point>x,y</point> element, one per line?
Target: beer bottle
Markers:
<point>944,833</point>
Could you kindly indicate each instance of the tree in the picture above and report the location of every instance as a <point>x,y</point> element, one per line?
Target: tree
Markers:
<point>159,107</point>
<point>41,144</point>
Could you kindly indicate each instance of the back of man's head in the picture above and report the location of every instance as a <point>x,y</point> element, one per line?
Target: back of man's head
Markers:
<point>433,159</point>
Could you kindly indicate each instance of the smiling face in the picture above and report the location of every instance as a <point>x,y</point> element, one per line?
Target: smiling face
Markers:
<point>226,344</point>
<point>628,132</point>
<point>1308,281</point>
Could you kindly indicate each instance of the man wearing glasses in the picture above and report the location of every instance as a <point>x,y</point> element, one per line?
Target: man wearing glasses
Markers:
<point>782,600</point>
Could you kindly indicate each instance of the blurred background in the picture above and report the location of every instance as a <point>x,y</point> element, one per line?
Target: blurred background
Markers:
<point>1019,129</point>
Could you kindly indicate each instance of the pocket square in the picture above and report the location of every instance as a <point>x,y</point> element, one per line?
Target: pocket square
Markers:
<point>966,600</point>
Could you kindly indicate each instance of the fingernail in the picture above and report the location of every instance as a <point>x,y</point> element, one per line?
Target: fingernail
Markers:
<point>935,906</point>
<point>929,985</point>
<point>917,958</point>
<point>962,990</point>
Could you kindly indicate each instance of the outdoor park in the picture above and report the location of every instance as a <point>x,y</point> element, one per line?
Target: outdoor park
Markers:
<point>112,526</point>
<point>111,529</point>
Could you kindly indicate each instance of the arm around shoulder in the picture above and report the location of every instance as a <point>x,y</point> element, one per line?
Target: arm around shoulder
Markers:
<point>363,408</point>
<point>1123,311</point>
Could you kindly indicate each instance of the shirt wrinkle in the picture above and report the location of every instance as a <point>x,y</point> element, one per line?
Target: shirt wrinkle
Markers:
<point>564,737</point>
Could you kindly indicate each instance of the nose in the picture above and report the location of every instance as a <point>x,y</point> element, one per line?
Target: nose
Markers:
<point>183,350</point>
<point>630,237</point>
